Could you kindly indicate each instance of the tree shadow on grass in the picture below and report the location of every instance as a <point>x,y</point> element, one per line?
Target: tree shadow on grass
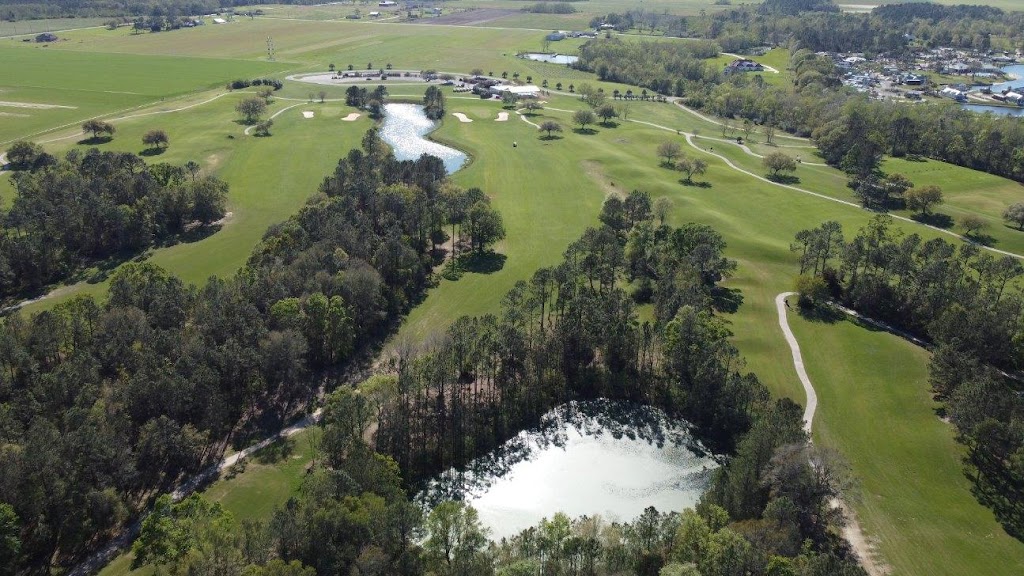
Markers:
<point>784,179</point>
<point>95,140</point>
<point>152,152</point>
<point>585,131</point>
<point>982,239</point>
<point>552,137</point>
<point>278,450</point>
<point>479,263</point>
<point>822,314</point>
<point>726,299</point>
<point>609,124</point>
<point>997,489</point>
<point>686,182</point>
<point>935,219</point>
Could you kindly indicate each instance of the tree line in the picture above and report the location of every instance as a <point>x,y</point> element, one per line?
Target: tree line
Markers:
<point>71,213</point>
<point>969,306</point>
<point>818,25</point>
<point>106,404</point>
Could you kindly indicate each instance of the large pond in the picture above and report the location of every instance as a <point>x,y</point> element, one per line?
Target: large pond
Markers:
<point>405,126</point>
<point>551,58</point>
<point>586,458</point>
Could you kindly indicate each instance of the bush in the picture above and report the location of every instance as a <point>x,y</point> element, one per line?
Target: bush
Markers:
<point>812,289</point>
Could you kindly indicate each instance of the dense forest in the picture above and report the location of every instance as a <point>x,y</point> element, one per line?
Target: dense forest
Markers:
<point>571,332</point>
<point>72,213</point>
<point>104,405</point>
<point>969,306</point>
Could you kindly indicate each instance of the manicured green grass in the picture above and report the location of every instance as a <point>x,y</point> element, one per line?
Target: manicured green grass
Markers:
<point>269,178</point>
<point>23,27</point>
<point>267,481</point>
<point>874,405</point>
<point>88,85</point>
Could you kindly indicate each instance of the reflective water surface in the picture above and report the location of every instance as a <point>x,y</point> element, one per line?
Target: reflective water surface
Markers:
<point>552,58</point>
<point>586,458</point>
<point>405,126</point>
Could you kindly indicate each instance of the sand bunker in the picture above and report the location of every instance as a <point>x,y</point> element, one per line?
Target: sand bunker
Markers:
<point>502,117</point>
<point>352,117</point>
<point>462,117</point>
<point>33,105</point>
<point>307,114</point>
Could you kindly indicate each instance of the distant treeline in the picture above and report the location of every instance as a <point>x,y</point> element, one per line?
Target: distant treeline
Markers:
<point>105,404</point>
<point>819,26</point>
<point>969,305</point>
<point>27,10</point>
<point>551,8</point>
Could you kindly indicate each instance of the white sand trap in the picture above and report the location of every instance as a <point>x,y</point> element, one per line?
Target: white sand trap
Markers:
<point>502,117</point>
<point>352,117</point>
<point>462,117</point>
<point>307,114</point>
<point>33,105</point>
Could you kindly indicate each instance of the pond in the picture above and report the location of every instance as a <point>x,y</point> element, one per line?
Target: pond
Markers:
<point>405,126</point>
<point>997,110</point>
<point>586,458</point>
<point>1016,72</point>
<point>551,58</point>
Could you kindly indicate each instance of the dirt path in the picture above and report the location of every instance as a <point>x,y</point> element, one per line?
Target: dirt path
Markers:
<point>851,531</point>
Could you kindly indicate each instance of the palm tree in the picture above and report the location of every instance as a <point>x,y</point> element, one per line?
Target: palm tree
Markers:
<point>504,75</point>
<point>388,66</point>
<point>616,94</point>
<point>331,67</point>
<point>350,67</point>
<point>544,84</point>
<point>572,88</point>
<point>558,86</point>
<point>529,79</point>
<point>515,75</point>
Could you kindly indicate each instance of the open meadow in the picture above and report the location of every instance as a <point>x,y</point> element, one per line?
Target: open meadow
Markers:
<point>875,407</point>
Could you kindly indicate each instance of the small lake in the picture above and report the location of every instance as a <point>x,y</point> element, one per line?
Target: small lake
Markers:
<point>405,126</point>
<point>1015,71</point>
<point>551,58</point>
<point>997,110</point>
<point>586,458</point>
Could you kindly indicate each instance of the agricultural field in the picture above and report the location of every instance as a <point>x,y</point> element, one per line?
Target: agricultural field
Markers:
<point>875,406</point>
